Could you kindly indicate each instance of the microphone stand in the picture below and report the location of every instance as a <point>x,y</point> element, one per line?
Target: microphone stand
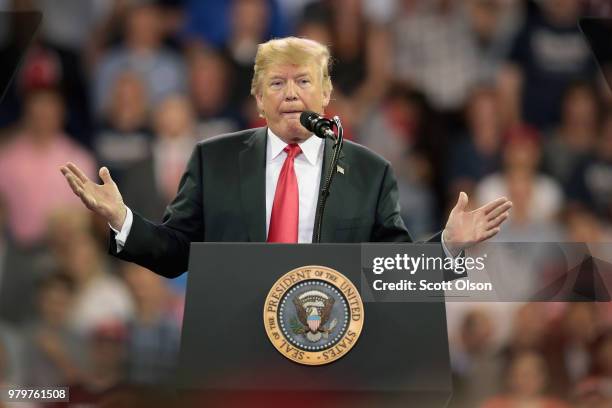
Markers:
<point>331,171</point>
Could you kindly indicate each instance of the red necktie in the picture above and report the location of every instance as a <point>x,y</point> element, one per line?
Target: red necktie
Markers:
<point>286,207</point>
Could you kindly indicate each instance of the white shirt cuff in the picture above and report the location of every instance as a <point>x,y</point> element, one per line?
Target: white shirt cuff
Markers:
<point>121,236</point>
<point>447,252</point>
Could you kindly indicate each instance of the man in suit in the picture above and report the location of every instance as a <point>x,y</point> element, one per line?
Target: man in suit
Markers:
<point>262,184</point>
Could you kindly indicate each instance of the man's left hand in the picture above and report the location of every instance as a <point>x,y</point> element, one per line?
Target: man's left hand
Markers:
<point>467,228</point>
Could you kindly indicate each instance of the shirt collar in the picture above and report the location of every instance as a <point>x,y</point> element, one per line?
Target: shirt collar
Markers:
<point>311,147</point>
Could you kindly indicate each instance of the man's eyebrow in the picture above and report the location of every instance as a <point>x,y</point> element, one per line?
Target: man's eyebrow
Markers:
<point>276,77</point>
<point>283,77</point>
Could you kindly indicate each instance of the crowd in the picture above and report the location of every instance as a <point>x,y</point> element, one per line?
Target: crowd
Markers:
<point>490,97</point>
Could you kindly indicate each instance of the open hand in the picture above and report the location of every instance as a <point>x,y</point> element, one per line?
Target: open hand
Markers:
<point>103,199</point>
<point>466,228</point>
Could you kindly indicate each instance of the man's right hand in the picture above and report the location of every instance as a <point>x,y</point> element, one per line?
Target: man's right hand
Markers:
<point>103,199</point>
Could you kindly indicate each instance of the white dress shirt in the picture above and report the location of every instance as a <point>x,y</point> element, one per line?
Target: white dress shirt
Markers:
<point>308,166</point>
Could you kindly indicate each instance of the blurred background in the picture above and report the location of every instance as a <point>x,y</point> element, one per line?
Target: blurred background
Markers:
<point>491,97</point>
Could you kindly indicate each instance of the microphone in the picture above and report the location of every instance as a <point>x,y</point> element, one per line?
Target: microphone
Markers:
<point>317,124</point>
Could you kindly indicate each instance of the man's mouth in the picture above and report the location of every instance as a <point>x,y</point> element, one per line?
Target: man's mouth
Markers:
<point>292,113</point>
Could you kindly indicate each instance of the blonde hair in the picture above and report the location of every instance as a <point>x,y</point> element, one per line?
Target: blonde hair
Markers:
<point>291,50</point>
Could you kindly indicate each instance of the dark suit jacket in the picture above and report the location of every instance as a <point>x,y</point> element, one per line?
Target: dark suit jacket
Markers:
<point>141,191</point>
<point>221,198</point>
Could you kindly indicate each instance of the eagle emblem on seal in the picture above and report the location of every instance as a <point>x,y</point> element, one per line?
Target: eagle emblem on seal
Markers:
<point>313,309</point>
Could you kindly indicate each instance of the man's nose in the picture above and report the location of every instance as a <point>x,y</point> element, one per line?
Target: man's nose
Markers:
<point>291,93</point>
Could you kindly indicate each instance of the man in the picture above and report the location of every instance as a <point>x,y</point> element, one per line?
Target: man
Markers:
<point>262,184</point>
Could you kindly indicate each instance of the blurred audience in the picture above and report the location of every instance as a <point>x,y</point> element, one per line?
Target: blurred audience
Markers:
<point>218,110</point>
<point>154,332</point>
<point>548,54</point>
<point>209,22</point>
<point>99,296</point>
<point>141,51</point>
<point>526,382</point>
<point>396,129</point>
<point>477,154</point>
<point>123,136</point>
<point>29,182</point>
<point>434,51</point>
<point>537,198</point>
<point>48,66</point>
<point>2,365</point>
<point>528,331</point>
<point>567,347</point>
<point>248,25</point>
<point>476,364</point>
<point>12,364</point>
<point>446,47</point>
<point>18,277</point>
<point>584,226</point>
<point>67,24</point>
<point>52,347</point>
<point>590,184</point>
<point>493,24</point>
<point>574,139</point>
<point>362,52</point>
<point>105,375</point>
<point>601,356</point>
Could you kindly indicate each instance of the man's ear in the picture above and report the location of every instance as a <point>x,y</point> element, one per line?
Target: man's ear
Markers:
<point>326,98</point>
<point>259,101</point>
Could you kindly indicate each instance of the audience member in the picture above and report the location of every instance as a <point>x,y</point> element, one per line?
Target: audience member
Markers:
<point>142,52</point>
<point>547,55</point>
<point>154,333</point>
<point>435,52</point>
<point>567,346</point>
<point>537,198</point>
<point>28,167</point>
<point>215,99</point>
<point>248,23</point>
<point>526,381</point>
<point>590,184</point>
<point>573,141</point>
<point>51,345</point>
<point>477,364</point>
<point>18,276</point>
<point>99,296</point>
<point>105,376</point>
<point>123,136</point>
<point>209,21</point>
<point>477,154</point>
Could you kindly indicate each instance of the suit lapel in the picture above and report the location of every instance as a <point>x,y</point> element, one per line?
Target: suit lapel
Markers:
<point>253,184</point>
<point>333,207</point>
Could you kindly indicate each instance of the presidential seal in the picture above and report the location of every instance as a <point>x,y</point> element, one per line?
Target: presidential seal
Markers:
<point>313,315</point>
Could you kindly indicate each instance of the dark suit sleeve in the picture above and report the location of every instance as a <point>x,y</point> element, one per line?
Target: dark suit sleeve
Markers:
<point>164,248</point>
<point>388,225</point>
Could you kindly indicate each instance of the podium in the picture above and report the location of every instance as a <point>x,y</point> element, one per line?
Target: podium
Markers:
<point>401,357</point>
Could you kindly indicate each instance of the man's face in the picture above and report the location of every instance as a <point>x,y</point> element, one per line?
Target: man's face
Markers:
<point>285,92</point>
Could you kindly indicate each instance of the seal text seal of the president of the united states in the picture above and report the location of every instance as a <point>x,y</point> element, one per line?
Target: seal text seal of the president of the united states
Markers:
<point>313,315</point>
